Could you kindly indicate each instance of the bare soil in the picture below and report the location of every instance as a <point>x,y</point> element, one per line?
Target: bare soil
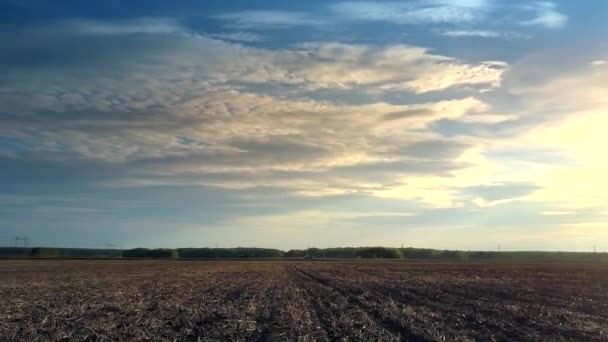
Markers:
<point>95,300</point>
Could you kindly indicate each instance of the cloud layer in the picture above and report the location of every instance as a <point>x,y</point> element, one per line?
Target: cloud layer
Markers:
<point>187,121</point>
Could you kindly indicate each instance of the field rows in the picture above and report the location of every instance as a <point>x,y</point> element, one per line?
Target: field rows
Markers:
<point>302,301</point>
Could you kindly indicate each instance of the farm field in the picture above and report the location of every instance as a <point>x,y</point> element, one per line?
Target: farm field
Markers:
<point>103,300</point>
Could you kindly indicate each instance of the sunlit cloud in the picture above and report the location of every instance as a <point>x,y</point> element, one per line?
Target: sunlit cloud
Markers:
<point>575,103</point>
<point>557,213</point>
<point>187,121</point>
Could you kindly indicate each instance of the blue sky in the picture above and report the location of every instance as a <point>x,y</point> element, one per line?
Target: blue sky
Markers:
<point>459,124</point>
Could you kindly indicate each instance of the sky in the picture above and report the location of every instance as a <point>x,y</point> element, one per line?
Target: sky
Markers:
<point>453,124</point>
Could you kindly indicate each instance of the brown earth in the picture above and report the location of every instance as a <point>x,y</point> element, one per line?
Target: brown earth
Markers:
<point>86,300</point>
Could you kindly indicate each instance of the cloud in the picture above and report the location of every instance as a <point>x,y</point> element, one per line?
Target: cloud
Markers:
<point>258,19</point>
<point>246,37</point>
<point>455,13</point>
<point>557,213</point>
<point>546,16</point>
<point>435,149</point>
<point>484,34</point>
<point>486,118</point>
<point>416,12</point>
<point>310,66</point>
<point>125,27</point>
<point>581,138</point>
<point>598,62</point>
<point>472,33</point>
<point>157,114</point>
<point>496,193</point>
<point>563,113</point>
<point>390,68</point>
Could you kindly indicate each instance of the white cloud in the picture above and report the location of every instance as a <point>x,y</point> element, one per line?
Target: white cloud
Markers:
<point>472,33</point>
<point>259,19</point>
<point>547,16</point>
<point>246,37</point>
<point>126,27</point>
<point>598,63</point>
<point>454,12</point>
<point>484,34</point>
<point>416,12</point>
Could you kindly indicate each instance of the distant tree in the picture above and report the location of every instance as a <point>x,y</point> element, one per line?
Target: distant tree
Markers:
<point>45,252</point>
<point>378,253</point>
<point>149,253</point>
<point>229,253</point>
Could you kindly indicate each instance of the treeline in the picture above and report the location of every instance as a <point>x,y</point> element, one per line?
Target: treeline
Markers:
<point>313,253</point>
<point>162,253</point>
<point>50,252</point>
<point>242,252</point>
<point>239,252</point>
<point>204,253</point>
<point>436,254</point>
<point>346,253</point>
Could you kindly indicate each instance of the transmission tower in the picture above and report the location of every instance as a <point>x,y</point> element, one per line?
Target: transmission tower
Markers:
<point>21,240</point>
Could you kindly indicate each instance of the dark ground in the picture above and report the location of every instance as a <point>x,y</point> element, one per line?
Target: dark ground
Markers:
<point>88,300</point>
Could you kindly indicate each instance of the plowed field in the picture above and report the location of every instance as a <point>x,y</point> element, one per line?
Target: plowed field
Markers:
<point>87,300</point>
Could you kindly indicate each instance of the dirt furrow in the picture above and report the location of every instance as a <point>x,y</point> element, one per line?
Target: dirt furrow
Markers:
<point>459,314</point>
<point>388,328</point>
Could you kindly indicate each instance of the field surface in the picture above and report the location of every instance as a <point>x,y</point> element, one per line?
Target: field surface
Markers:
<point>301,301</point>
